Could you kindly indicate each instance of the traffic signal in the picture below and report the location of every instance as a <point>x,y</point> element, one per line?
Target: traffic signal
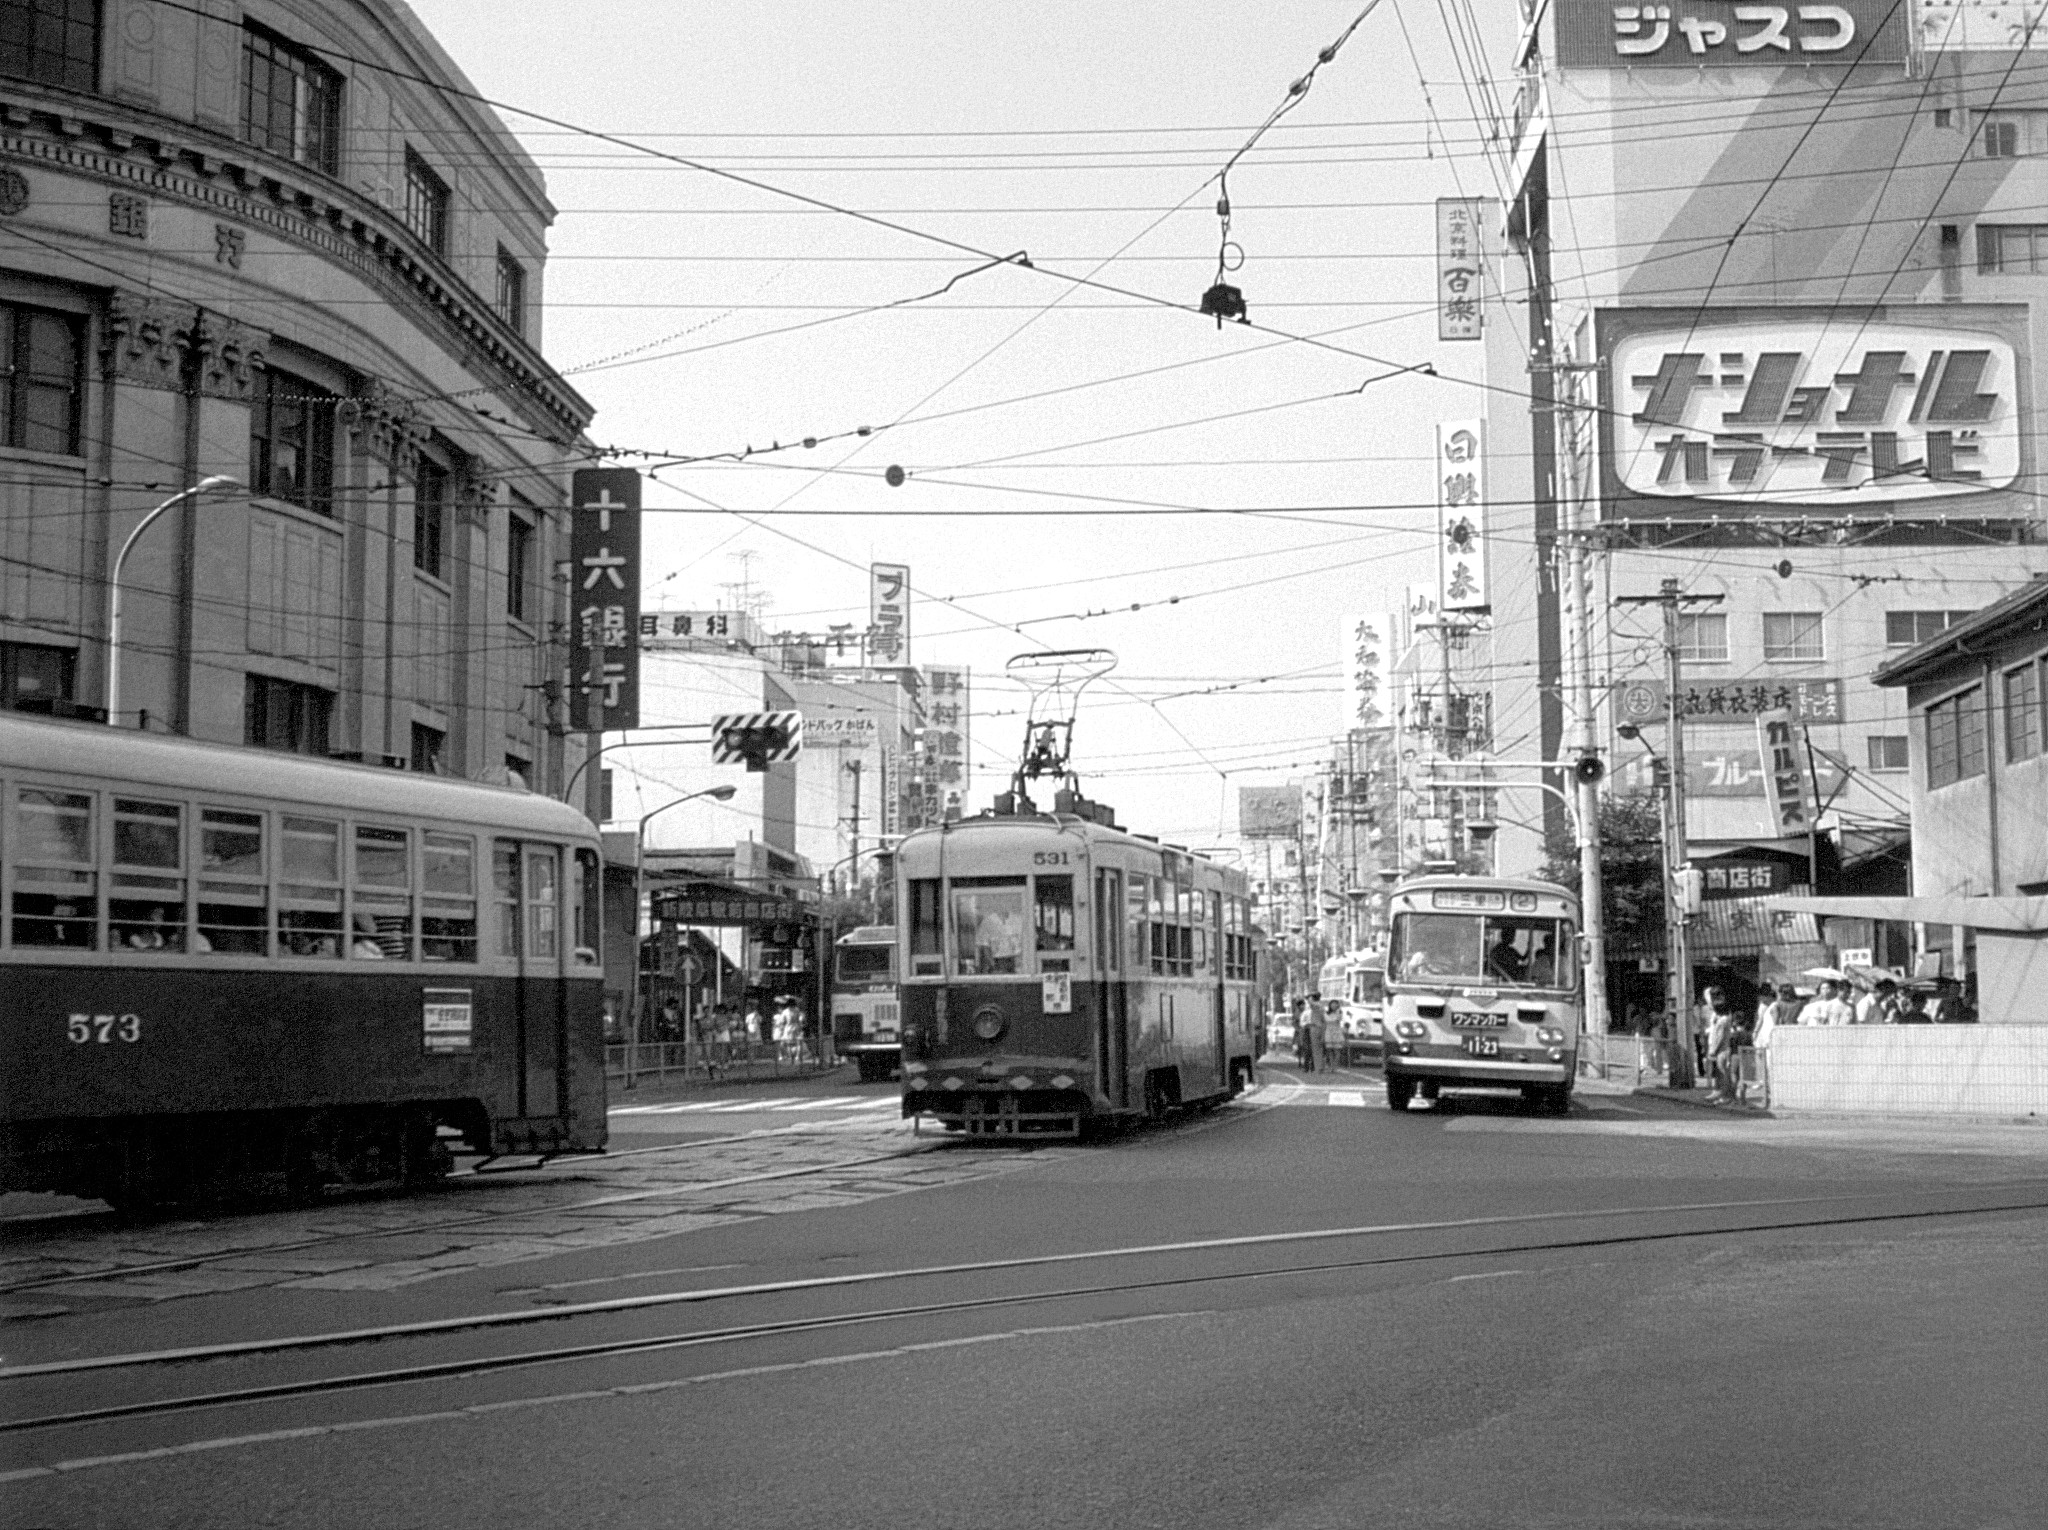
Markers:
<point>1589,769</point>
<point>757,739</point>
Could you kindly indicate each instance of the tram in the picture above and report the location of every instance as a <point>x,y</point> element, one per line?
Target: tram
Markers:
<point>864,1004</point>
<point>231,972</point>
<point>1061,974</point>
<point>1482,989</point>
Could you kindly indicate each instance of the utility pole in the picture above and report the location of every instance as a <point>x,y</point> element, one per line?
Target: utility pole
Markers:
<point>1578,659</point>
<point>1676,857</point>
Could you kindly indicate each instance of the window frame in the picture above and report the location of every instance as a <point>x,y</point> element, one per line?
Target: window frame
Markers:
<point>1879,758</point>
<point>19,380</point>
<point>508,297</point>
<point>520,539</point>
<point>270,420</point>
<point>1955,738</point>
<point>309,719</point>
<point>1783,653</point>
<point>2020,702</point>
<point>314,109</point>
<point>427,199</point>
<point>1690,626</point>
<point>430,519</point>
<point>72,70</point>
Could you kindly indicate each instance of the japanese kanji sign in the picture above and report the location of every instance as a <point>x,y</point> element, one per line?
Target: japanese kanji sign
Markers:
<point>1806,408</point>
<point>938,780</point>
<point>1784,773</point>
<point>712,626</point>
<point>1713,34</point>
<point>889,614</point>
<point>1739,701</point>
<point>1460,266</point>
<point>1461,517</point>
<point>604,603</point>
<point>1742,879</point>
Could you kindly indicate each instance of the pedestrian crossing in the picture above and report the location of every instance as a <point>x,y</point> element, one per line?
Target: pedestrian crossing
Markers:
<point>785,1104</point>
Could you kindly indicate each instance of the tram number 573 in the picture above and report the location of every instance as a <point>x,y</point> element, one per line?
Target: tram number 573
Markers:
<point>103,1028</point>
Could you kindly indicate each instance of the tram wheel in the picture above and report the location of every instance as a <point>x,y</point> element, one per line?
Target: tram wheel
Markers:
<point>1399,1091</point>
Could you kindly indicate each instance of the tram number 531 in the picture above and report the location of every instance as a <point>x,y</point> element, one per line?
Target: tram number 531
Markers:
<point>1048,857</point>
<point>103,1028</point>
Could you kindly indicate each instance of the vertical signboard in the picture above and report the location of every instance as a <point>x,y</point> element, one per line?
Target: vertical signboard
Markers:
<point>889,613</point>
<point>1365,640</point>
<point>1460,268</point>
<point>604,556</point>
<point>947,741</point>
<point>1784,773</point>
<point>1461,518</point>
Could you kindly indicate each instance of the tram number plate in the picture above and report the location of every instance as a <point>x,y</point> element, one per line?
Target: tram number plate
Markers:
<point>1483,1046</point>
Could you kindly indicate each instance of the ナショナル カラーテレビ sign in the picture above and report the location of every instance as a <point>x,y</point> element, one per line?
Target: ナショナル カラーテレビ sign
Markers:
<point>1719,34</point>
<point>1753,410</point>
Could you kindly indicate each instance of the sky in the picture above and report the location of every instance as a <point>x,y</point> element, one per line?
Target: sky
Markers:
<point>1088,463</point>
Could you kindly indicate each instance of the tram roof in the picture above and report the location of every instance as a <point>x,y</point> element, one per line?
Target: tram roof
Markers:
<point>168,762</point>
<point>1036,825</point>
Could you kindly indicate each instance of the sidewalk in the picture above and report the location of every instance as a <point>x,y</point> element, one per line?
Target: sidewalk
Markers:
<point>651,1076</point>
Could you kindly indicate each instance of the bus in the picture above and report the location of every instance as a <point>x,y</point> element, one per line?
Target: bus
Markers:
<point>1482,989</point>
<point>231,973</point>
<point>1354,993</point>
<point>864,1004</point>
<point>1062,974</point>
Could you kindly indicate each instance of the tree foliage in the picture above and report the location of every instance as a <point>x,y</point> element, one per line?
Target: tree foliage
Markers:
<point>1631,868</point>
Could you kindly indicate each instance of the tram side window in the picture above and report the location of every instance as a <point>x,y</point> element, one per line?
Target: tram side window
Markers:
<point>988,926</point>
<point>382,899</point>
<point>588,892</point>
<point>447,898</point>
<point>542,911</point>
<point>234,904</point>
<point>1159,906</point>
<point>1109,905</point>
<point>56,891</point>
<point>309,889</point>
<point>927,939</point>
<point>505,893</point>
<point>1055,905</point>
<point>1138,899</point>
<point>146,896</point>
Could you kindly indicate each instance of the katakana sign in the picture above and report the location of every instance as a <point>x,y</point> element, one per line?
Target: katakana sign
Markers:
<point>1460,266</point>
<point>1461,518</point>
<point>1848,411</point>
<point>889,613</point>
<point>1714,34</point>
<point>1784,773</point>
<point>604,603</point>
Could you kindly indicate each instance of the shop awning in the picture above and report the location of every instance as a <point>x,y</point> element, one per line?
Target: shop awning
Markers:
<point>1747,926</point>
<point>2015,915</point>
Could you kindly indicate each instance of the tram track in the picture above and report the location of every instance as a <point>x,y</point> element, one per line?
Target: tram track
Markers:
<point>479,1219</point>
<point>1791,1214</point>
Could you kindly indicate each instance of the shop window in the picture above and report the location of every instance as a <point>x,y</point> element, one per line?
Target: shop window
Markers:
<point>43,357</point>
<point>53,42</point>
<point>291,441</point>
<point>426,203</point>
<point>291,101</point>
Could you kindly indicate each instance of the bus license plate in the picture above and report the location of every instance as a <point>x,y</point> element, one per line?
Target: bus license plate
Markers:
<point>1483,1046</point>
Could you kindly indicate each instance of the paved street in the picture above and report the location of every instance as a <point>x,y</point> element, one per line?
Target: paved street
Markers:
<point>1296,1310</point>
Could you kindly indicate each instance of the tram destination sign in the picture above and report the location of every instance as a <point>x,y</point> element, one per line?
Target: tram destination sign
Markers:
<point>604,563</point>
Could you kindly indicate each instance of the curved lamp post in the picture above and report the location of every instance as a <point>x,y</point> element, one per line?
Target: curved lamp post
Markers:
<point>113,689</point>
<point>716,794</point>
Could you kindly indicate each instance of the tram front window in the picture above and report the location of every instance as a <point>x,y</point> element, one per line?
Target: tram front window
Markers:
<point>1500,951</point>
<point>988,926</point>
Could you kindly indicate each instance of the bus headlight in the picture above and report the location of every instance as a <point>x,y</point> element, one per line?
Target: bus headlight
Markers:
<point>1412,1029</point>
<point>1550,1036</point>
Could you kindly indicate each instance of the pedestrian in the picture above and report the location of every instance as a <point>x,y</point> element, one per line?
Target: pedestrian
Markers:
<point>671,1021</point>
<point>1784,1009</point>
<point>753,1028</point>
<point>1827,1007</point>
<point>789,1031</point>
<point>1318,1039</point>
<point>1760,1047</point>
<point>1714,1034</point>
<point>1733,1033</point>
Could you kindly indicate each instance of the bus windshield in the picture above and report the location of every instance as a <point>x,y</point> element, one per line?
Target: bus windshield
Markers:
<point>1498,950</point>
<point>861,964</point>
<point>1368,985</point>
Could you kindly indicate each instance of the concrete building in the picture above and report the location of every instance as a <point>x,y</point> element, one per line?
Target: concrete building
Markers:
<point>282,243</point>
<point>1773,281</point>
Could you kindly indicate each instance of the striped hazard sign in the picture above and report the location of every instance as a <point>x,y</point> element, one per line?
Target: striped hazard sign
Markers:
<point>757,739</point>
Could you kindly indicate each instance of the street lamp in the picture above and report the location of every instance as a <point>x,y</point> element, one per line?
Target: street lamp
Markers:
<point>716,794</point>
<point>113,689</point>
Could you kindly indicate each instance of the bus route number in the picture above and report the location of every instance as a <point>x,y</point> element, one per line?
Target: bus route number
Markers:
<point>1048,857</point>
<point>103,1028</point>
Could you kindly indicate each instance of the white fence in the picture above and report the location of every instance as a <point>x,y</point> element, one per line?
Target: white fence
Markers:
<point>1918,1070</point>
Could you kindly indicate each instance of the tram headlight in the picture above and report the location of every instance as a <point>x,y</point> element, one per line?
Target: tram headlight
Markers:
<point>988,1022</point>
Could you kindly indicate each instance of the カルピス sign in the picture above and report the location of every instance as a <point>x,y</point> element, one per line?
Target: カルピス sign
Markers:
<point>1719,34</point>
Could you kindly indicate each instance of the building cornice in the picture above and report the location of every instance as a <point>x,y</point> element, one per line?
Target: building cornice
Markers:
<point>236,181</point>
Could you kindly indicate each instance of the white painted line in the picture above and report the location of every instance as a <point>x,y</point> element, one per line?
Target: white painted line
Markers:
<point>1347,1097</point>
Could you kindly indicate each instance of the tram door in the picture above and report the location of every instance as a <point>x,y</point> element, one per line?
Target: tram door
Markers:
<point>528,880</point>
<point>1218,1032</point>
<point>1112,1033</point>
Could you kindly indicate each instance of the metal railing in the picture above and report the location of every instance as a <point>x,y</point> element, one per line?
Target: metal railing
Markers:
<point>714,1061</point>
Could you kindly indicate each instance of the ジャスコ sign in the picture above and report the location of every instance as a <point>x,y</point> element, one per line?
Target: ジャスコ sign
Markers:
<point>1715,34</point>
<point>1749,413</point>
<point>604,603</point>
